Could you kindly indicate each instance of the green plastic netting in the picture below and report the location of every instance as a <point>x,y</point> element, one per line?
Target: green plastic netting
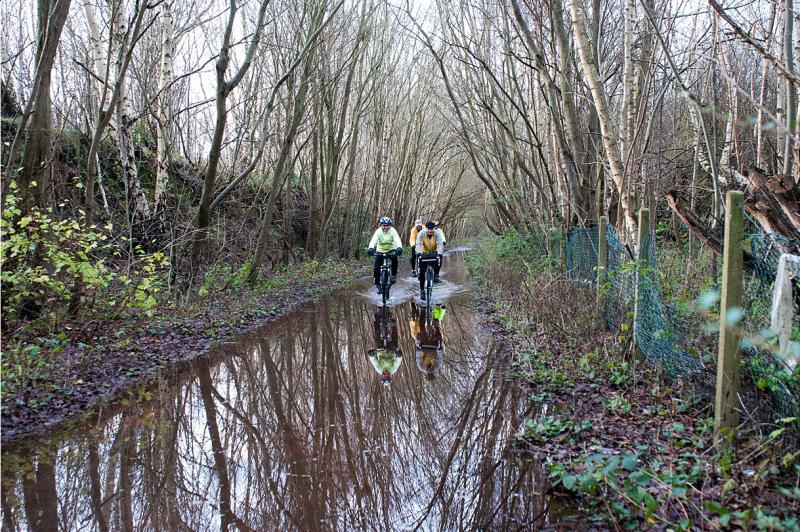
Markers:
<point>682,339</point>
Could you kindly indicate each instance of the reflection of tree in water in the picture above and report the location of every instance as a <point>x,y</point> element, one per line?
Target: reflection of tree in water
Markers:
<point>292,429</point>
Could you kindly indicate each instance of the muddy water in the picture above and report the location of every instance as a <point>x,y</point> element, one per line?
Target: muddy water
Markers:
<point>329,419</point>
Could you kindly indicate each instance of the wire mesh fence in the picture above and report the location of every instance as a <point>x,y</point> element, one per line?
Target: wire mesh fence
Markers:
<point>682,338</point>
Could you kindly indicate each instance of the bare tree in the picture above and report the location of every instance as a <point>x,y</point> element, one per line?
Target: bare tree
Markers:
<point>590,70</point>
<point>298,111</point>
<point>224,88</point>
<point>110,95</point>
<point>501,207</point>
<point>164,109</point>
<point>35,126</point>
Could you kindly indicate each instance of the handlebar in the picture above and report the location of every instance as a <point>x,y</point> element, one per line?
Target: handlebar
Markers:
<point>428,257</point>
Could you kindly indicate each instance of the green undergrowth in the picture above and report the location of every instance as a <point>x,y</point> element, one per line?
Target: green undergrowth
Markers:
<point>634,447</point>
<point>221,304</point>
<point>72,297</point>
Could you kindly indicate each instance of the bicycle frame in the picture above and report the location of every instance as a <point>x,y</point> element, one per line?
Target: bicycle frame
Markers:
<point>386,326</point>
<point>385,276</point>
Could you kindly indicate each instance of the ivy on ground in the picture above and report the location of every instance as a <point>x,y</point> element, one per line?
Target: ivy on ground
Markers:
<point>634,448</point>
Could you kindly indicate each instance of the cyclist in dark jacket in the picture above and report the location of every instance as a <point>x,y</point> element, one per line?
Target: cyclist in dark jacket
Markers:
<point>413,243</point>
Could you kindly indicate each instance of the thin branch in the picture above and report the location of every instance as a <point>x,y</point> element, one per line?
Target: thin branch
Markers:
<point>749,39</point>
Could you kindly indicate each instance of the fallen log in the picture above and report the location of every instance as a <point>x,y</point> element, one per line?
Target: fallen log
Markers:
<point>706,234</point>
<point>760,268</point>
<point>774,202</point>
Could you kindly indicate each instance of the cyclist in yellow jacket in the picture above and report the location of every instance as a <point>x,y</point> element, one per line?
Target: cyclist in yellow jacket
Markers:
<point>428,339</point>
<point>439,230</point>
<point>386,357</point>
<point>429,241</point>
<point>385,240</point>
<point>413,243</point>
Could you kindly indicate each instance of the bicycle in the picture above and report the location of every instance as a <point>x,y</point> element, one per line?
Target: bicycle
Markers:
<point>385,277</point>
<point>430,260</point>
<point>386,326</point>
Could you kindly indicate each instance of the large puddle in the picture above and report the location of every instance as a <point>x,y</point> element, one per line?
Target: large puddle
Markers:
<point>344,415</point>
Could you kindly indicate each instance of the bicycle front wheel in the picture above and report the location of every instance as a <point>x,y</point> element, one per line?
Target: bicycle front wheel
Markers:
<point>385,285</point>
<point>429,289</point>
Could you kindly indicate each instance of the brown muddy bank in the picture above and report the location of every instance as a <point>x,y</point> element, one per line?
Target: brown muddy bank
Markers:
<point>96,362</point>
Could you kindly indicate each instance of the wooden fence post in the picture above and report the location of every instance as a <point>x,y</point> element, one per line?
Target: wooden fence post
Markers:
<point>643,253</point>
<point>556,243</point>
<point>602,266</point>
<point>726,417</point>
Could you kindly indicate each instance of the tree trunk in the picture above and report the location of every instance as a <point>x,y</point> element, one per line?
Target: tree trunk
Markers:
<point>592,74</point>
<point>277,177</point>
<point>164,111</point>
<point>220,462</point>
<point>41,497</point>
<point>759,127</point>
<point>224,88</point>
<point>380,125</point>
<point>351,239</point>
<point>775,202</point>
<point>106,108</point>
<point>34,176</point>
<point>626,112</point>
<point>135,201</point>
<point>127,456</point>
<point>571,121</point>
<point>566,156</point>
<point>313,220</point>
<point>791,90</point>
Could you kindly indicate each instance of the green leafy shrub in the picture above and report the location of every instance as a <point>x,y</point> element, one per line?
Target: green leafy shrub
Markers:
<point>49,264</point>
<point>43,258</point>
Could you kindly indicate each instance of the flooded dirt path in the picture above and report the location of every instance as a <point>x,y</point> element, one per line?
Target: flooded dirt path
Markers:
<point>344,415</point>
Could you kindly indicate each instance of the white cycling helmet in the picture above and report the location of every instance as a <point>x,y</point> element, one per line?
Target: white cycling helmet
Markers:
<point>385,221</point>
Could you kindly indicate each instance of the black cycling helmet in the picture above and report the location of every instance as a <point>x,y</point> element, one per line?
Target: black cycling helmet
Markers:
<point>385,221</point>
<point>430,225</point>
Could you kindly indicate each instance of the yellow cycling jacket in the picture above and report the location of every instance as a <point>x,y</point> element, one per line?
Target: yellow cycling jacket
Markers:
<point>413,240</point>
<point>429,244</point>
<point>385,242</point>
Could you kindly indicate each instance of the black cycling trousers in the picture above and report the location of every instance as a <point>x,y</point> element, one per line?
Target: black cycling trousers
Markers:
<point>376,268</point>
<point>413,260</point>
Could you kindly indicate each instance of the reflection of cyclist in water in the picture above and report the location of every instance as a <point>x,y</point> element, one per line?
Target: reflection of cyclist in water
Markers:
<point>386,357</point>
<point>427,334</point>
